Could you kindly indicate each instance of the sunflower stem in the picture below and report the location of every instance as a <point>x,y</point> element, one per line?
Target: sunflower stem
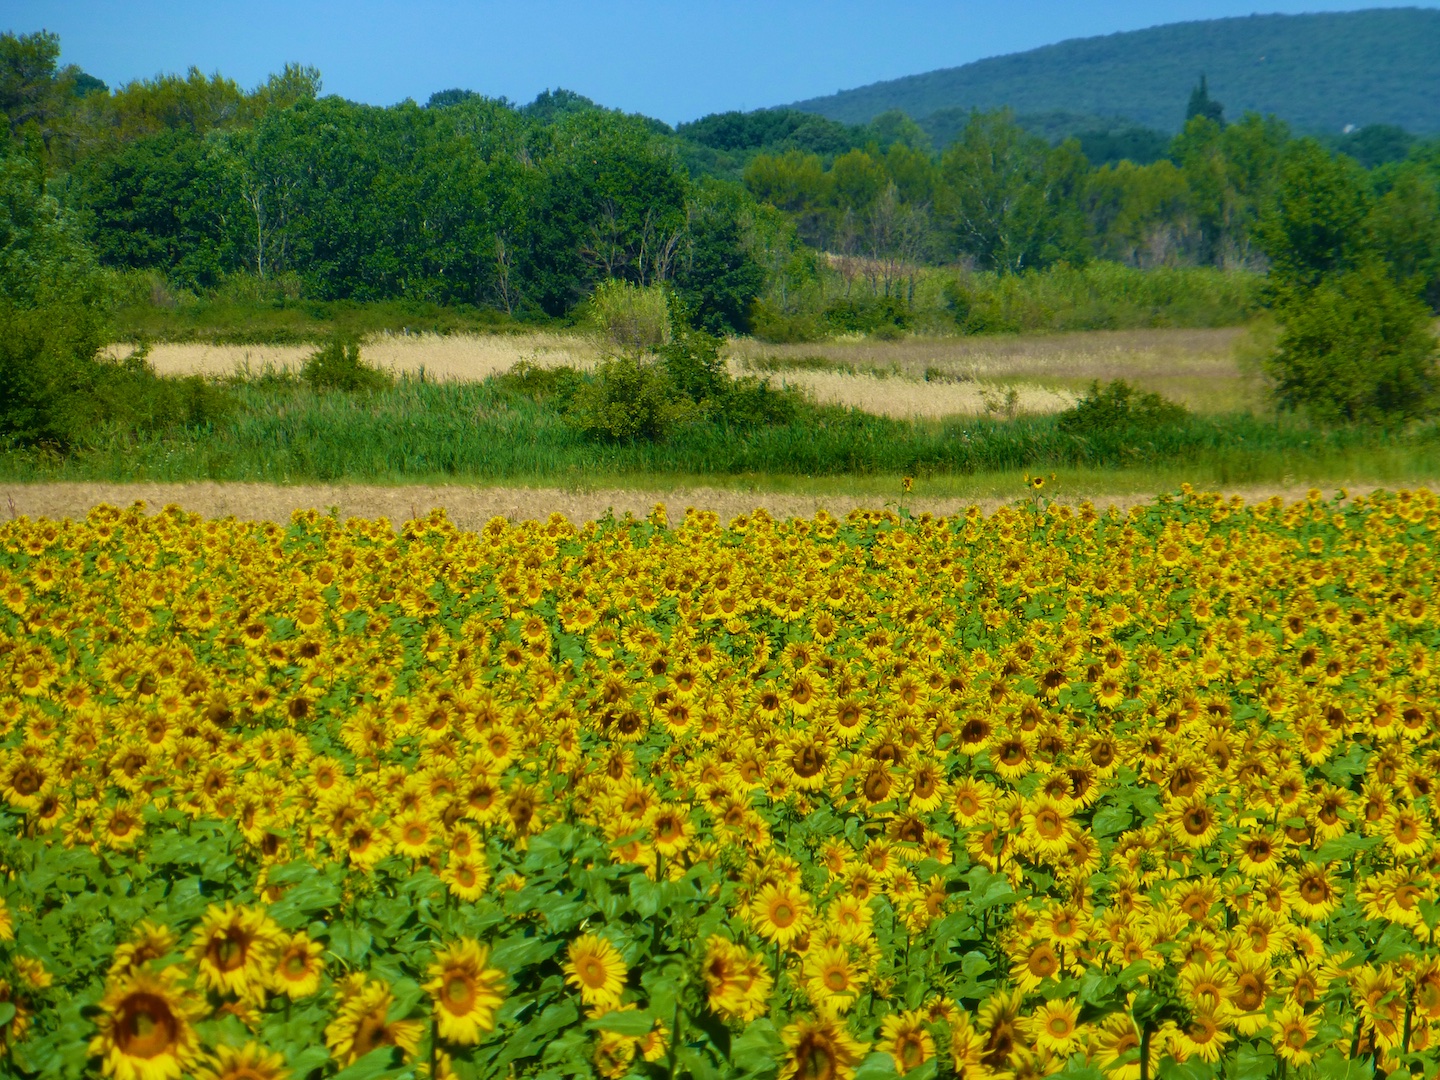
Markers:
<point>675,1039</point>
<point>1145,1051</point>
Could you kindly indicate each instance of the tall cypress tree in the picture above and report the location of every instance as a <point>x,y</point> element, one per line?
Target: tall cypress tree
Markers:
<point>1202,104</point>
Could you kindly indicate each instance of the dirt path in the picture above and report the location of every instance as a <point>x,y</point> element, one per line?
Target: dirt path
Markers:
<point>472,507</point>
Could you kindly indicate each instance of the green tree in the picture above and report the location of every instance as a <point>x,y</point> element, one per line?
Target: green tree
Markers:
<point>1139,214</point>
<point>1355,348</point>
<point>1202,104</point>
<point>717,277</point>
<point>1316,226</point>
<point>1009,199</point>
<point>158,204</point>
<point>1231,173</point>
<point>1405,227</point>
<point>52,313</point>
<point>608,202</point>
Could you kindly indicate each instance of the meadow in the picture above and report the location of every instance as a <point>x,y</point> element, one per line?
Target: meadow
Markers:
<point>1053,791</point>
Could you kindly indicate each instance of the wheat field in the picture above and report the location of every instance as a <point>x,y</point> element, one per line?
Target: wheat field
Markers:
<point>920,377</point>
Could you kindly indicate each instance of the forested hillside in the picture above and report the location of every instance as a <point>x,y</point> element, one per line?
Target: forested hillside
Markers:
<point>1319,73</point>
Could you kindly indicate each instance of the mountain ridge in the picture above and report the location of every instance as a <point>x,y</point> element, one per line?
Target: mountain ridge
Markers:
<point>1319,72</point>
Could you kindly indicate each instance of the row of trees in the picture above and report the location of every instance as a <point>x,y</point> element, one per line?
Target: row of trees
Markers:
<point>1009,201</point>
<point>475,200</point>
<point>470,200</point>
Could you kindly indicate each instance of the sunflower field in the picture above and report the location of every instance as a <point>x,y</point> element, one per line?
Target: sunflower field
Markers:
<point>1050,792</point>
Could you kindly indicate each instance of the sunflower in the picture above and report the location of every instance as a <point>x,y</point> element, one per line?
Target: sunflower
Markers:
<point>1206,988</point>
<point>1117,1047</point>
<point>415,835</point>
<point>999,1023</point>
<point>1035,963</point>
<point>146,1026</point>
<point>1312,893</point>
<point>466,993</point>
<point>1203,1036</point>
<point>251,1062</point>
<point>1055,1026</point>
<point>1194,822</point>
<point>298,965</point>
<point>819,1049</point>
<point>362,1022</point>
<point>906,1039</point>
<point>670,830</point>
<point>147,942</point>
<point>781,913</point>
<point>1293,1032</point>
<point>466,878</point>
<point>832,979</point>
<point>1259,852</point>
<point>1047,827</point>
<point>736,983</point>
<point>596,968</point>
<point>1406,832</point>
<point>234,949</point>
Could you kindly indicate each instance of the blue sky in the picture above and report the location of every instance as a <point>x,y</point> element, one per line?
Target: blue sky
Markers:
<point>674,60</point>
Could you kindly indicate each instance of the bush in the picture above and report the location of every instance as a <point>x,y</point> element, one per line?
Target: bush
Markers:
<point>1355,349</point>
<point>692,360</point>
<point>753,402</point>
<point>542,384</point>
<point>337,366</point>
<point>1119,408</point>
<point>882,316</point>
<point>629,399</point>
<point>770,323</point>
<point>631,316</point>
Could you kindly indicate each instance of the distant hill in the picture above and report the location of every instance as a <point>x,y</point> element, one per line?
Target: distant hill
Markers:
<point>1321,73</point>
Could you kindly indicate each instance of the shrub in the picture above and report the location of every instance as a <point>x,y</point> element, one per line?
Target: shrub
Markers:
<point>629,399</point>
<point>770,323</point>
<point>692,360</point>
<point>631,316</point>
<point>337,366</point>
<point>542,384</point>
<point>753,402</point>
<point>882,316</point>
<point>1356,348</point>
<point>1118,407</point>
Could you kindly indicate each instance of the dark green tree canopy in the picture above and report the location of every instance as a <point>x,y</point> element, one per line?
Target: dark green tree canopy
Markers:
<point>1202,104</point>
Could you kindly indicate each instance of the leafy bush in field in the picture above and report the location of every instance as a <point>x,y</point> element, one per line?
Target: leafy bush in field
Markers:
<point>630,316</point>
<point>684,380</point>
<point>769,323</point>
<point>629,398</point>
<point>1119,407</point>
<point>1002,797</point>
<point>1356,348</point>
<point>881,316</point>
<point>543,384</point>
<point>337,366</point>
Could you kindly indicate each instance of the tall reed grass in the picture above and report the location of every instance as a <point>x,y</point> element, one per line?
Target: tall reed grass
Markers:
<point>281,431</point>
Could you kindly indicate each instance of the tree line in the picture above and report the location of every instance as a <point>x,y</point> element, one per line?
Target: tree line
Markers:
<point>473,200</point>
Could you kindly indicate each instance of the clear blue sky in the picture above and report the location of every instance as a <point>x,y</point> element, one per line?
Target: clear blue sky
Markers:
<point>674,60</point>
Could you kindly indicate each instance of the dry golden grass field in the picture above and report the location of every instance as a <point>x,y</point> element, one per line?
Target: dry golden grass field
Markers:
<point>913,377</point>
<point>470,507</point>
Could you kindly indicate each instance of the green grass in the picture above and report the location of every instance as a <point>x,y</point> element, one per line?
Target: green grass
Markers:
<point>281,431</point>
